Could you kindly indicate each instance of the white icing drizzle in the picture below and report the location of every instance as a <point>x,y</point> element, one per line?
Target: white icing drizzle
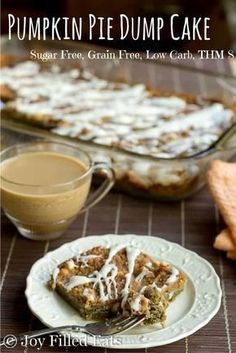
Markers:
<point>149,265</point>
<point>106,275</point>
<point>141,275</point>
<point>136,304</point>
<point>171,279</point>
<point>153,285</point>
<point>173,276</point>
<point>112,269</point>
<point>105,279</point>
<point>101,276</point>
<point>71,264</point>
<point>113,251</point>
<point>75,281</point>
<point>132,254</point>
<point>54,277</point>
<point>85,259</point>
<point>87,293</point>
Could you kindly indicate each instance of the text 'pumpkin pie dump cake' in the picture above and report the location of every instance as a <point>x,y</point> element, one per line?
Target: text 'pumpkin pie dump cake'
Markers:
<point>105,282</point>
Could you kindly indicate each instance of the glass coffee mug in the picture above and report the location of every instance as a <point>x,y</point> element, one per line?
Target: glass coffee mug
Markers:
<point>44,186</point>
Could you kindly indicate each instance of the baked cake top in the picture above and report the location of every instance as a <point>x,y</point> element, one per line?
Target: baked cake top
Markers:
<point>131,117</point>
<point>101,274</point>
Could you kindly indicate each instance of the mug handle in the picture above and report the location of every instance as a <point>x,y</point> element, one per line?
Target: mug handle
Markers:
<point>104,188</point>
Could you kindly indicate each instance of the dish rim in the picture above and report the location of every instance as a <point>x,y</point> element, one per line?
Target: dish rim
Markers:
<point>45,133</point>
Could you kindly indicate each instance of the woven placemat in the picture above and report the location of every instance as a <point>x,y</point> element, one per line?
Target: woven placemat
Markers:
<point>192,223</point>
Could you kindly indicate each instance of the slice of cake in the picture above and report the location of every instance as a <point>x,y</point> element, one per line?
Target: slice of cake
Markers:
<point>103,282</point>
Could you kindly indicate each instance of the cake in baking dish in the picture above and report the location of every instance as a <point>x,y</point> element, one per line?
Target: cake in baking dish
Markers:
<point>75,103</point>
<point>133,117</point>
<point>105,282</point>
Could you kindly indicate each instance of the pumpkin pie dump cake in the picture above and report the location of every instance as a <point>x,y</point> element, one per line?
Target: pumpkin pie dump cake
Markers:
<point>75,103</point>
<point>103,282</point>
<point>78,104</point>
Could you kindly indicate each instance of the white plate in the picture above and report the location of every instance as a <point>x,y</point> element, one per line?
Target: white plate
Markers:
<point>192,309</point>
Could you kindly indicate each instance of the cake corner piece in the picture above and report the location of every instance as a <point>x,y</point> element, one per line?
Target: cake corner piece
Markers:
<point>106,282</point>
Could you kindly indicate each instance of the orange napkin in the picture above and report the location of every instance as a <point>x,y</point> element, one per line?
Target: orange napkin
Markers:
<point>222,185</point>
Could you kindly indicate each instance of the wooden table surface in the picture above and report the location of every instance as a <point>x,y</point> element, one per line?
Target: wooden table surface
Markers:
<point>192,223</point>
